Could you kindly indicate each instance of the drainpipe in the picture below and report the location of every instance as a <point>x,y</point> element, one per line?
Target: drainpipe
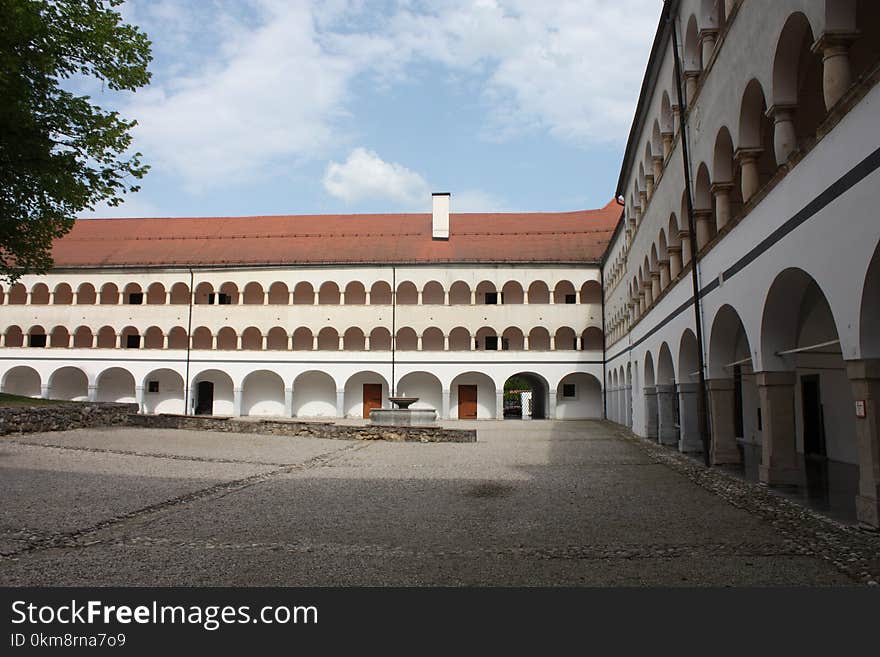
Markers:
<point>186,400</point>
<point>393,327</point>
<point>695,277</point>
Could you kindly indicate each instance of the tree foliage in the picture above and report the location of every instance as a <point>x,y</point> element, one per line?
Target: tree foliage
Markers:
<point>59,153</point>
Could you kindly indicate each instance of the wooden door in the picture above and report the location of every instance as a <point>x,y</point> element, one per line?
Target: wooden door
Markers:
<point>467,402</point>
<point>372,398</point>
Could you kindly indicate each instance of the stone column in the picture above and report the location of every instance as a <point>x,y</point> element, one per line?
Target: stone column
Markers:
<point>627,405</point>
<point>667,434</point>
<point>655,284</point>
<point>690,439</point>
<point>499,404</point>
<point>643,202</point>
<point>780,463</point>
<point>526,297</point>
<point>473,297</point>
<point>721,192</point>
<point>340,403</point>
<point>367,342</point>
<point>290,341</point>
<point>236,402</point>
<point>664,274</point>
<point>551,413</point>
<point>676,123</point>
<point>667,144</point>
<point>139,398</point>
<point>641,302</point>
<point>674,260</point>
<point>649,186</point>
<point>690,87</point>
<point>525,342</point>
<point>94,340</point>
<point>418,343</point>
<point>707,45</point>
<point>118,341</point>
<point>288,402</point>
<point>646,287</point>
<point>164,341</point>
<point>650,393</point>
<point>314,343</point>
<point>419,298</point>
<point>445,342</point>
<point>703,219</point>
<point>342,298</point>
<point>657,162</point>
<point>28,298</point>
<point>685,238</point>
<point>836,73</point>
<point>864,377</point>
<point>93,393</point>
<point>45,391</point>
<point>366,298</point>
<point>290,298</point>
<point>2,339</point>
<point>265,297</point>
<point>552,343</point>
<point>748,162</point>
<point>784,135</point>
<point>444,410</point>
<point>445,297</point>
<point>318,297</point>
<point>721,410</point>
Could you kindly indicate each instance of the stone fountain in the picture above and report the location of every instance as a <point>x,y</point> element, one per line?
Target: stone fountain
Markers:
<point>402,415</point>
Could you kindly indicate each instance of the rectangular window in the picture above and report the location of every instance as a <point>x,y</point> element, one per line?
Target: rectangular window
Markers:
<point>569,391</point>
<point>570,298</point>
<point>152,386</point>
<point>492,298</point>
<point>136,298</point>
<point>37,340</point>
<point>224,299</point>
<point>491,343</point>
<point>132,341</point>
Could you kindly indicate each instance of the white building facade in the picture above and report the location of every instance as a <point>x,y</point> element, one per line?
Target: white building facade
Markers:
<point>781,114</point>
<point>312,339</point>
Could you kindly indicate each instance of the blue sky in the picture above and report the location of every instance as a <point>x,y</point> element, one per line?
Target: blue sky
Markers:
<point>286,107</point>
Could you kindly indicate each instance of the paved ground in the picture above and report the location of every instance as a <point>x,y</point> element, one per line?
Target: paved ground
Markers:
<point>531,503</point>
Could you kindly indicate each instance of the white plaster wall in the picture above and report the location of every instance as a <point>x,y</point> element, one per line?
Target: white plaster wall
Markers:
<point>69,383</point>
<point>263,395</point>
<point>23,381</point>
<point>426,387</point>
<point>116,385</point>
<point>485,395</point>
<point>588,402</point>
<point>223,392</point>
<point>314,395</point>
<point>169,399</point>
<point>354,393</point>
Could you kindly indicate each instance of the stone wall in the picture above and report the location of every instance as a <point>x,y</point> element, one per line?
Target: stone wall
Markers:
<point>306,429</point>
<point>60,417</point>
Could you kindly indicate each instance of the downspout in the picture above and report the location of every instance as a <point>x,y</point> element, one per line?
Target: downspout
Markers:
<point>695,277</point>
<point>393,327</point>
<point>186,400</point>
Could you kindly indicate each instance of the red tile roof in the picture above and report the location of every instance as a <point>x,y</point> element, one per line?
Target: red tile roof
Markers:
<point>551,237</point>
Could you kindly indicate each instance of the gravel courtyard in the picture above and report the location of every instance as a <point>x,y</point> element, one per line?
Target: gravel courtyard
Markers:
<point>531,503</point>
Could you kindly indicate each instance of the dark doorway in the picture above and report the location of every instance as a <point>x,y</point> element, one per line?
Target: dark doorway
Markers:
<point>467,402</point>
<point>372,398</point>
<point>814,422</point>
<point>205,398</point>
<point>524,397</point>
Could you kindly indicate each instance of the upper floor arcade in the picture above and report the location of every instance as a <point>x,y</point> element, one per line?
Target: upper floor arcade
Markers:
<point>763,84</point>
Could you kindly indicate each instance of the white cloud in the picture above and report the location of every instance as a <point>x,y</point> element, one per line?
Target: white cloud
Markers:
<point>250,89</point>
<point>275,94</point>
<point>364,176</point>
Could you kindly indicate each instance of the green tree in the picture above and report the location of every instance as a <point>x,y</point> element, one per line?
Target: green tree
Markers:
<point>59,153</point>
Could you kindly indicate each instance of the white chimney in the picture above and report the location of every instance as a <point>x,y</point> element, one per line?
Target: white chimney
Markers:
<point>440,223</point>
